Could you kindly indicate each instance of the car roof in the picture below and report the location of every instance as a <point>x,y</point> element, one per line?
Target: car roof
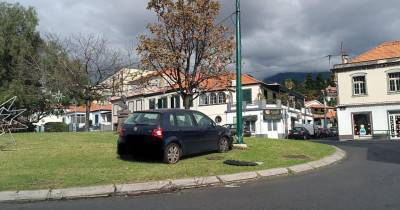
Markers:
<point>167,111</point>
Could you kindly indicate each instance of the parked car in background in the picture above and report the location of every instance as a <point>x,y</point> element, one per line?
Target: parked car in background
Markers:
<point>232,128</point>
<point>173,133</point>
<point>299,133</point>
<point>334,131</point>
<point>312,129</point>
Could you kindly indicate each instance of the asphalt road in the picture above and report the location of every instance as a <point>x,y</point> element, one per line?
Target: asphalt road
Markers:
<point>368,179</point>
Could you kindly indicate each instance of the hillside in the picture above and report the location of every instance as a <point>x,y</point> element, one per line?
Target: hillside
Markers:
<point>299,76</point>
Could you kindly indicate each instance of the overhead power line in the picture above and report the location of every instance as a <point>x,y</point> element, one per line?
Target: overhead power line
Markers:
<point>226,18</point>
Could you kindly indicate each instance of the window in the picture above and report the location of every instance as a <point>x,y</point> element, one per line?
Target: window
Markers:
<point>80,118</point>
<point>106,117</point>
<point>115,110</point>
<point>184,120</point>
<point>272,125</point>
<point>143,118</point>
<point>204,99</point>
<point>213,98</point>
<point>275,125</point>
<point>269,125</point>
<point>246,94</point>
<point>138,105</point>
<point>171,120</point>
<point>152,103</point>
<point>96,119</point>
<point>162,103</point>
<point>175,102</point>
<point>221,98</point>
<point>394,82</point>
<point>131,106</point>
<point>202,120</point>
<point>359,86</point>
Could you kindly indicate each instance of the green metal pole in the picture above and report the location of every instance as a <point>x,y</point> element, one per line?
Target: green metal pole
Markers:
<point>239,119</point>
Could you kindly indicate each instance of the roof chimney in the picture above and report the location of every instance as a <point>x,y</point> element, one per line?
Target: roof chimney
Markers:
<point>345,59</point>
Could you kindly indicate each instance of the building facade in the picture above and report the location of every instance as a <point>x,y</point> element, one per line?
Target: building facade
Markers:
<point>324,115</point>
<point>369,94</point>
<point>264,113</point>
<point>100,118</point>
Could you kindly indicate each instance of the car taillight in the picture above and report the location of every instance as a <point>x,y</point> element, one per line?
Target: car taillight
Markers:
<point>121,131</point>
<point>302,132</point>
<point>158,133</point>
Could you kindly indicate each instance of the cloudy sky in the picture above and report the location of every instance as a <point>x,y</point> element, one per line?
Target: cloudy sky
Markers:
<point>278,35</point>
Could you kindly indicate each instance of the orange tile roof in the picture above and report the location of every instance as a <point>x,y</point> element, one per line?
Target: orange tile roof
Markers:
<point>385,50</point>
<point>94,107</point>
<point>330,115</point>
<point>315,106</point>
<point>225,81</point>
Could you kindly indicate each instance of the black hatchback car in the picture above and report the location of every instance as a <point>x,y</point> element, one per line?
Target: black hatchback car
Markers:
<point>299,133</point>
<point>172,133</point>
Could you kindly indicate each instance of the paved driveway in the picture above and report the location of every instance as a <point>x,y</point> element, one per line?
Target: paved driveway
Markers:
<point>368,179</point>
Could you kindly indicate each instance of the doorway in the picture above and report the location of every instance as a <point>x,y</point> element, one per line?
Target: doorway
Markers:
<point>362,125</point>
<point>394,125</point>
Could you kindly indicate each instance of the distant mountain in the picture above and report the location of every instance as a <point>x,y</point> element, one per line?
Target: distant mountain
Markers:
<point>299,76</point>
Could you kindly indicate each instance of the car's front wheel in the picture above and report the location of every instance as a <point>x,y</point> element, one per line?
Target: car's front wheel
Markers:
<point>172,153</point>
<point>223,144</point>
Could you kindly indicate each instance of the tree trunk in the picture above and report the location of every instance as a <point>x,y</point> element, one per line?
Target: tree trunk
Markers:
<point>186,101</point>
<point>88,105</point>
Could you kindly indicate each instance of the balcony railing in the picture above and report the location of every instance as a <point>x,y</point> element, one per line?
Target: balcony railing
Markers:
<point>258,104</point>
<point>263,104</point>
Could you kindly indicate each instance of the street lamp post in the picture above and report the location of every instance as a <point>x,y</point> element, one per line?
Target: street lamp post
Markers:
<point>239,120</point>
<point>325,118</point>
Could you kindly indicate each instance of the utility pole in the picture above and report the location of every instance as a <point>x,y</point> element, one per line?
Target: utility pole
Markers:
<point>239,118</point>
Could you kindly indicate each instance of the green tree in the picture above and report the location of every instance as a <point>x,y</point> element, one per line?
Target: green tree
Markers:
<point>320,82</point>
<point>26,67</point>
<point>309,82</point>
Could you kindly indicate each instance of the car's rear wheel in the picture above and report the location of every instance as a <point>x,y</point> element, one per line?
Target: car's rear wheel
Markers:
<point>223,144</point>
<point>172,153</point>
<point>121,149</point>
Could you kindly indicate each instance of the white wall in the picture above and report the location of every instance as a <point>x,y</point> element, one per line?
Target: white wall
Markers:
<point>377,87</point>
<point>379,117</point>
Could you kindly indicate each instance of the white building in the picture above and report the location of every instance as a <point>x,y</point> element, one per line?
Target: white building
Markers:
<point>263,112</point>
<point>369,94</point>
<point>100,117</point>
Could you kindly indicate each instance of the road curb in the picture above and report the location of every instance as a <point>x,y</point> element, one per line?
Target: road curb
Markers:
<point>165,185</point>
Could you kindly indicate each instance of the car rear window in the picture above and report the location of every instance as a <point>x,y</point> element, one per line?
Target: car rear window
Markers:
<point>144,118</point>
<point>297,129</point>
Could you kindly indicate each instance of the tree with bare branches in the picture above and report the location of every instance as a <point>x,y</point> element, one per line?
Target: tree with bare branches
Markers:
<point>90,61</point>
<point>186,47</point>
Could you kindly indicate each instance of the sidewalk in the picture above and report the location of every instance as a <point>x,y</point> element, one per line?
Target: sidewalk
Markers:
<point>165,185</point>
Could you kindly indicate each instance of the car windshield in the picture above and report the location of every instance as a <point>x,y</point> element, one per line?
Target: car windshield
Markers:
<point>144,118</point>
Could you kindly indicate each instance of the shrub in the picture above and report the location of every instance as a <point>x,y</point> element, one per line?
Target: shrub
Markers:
<point>55,127</point>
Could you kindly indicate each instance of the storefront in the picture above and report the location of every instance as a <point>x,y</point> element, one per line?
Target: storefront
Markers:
<point>394,124</point>
<point>362,125</point>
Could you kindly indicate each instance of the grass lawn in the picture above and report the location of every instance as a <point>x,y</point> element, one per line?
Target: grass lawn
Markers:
<point>57,160</point>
